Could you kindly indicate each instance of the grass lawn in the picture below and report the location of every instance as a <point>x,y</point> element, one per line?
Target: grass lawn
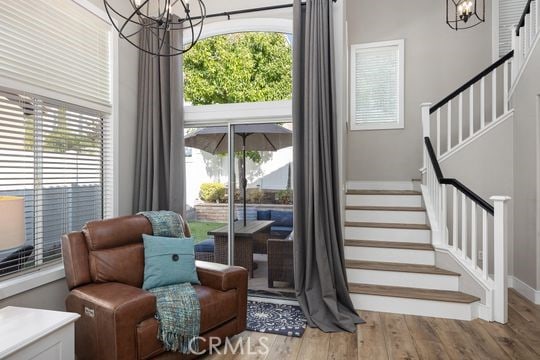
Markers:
<point>200,229</point>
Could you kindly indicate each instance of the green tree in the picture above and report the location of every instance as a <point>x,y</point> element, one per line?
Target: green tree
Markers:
<point>243,67</point>
<point>62,136</point>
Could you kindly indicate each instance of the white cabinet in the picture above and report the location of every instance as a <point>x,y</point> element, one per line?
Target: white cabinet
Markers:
<point>36,334</point>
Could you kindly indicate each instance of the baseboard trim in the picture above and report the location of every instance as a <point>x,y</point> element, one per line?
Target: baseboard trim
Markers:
<point>524,289</point>
<point>379,185</point>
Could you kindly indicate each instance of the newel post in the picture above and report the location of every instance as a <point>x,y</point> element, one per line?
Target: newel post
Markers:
<point>500,263</point>
<point>426,129</point>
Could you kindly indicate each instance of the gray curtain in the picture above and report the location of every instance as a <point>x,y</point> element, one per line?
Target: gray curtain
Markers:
<point>159,167</point>
<point>320,280</point>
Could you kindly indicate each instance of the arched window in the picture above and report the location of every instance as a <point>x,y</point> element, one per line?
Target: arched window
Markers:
<point>240,70</point>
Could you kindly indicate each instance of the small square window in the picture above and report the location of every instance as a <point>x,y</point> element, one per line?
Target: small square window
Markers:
<point>377,85</point>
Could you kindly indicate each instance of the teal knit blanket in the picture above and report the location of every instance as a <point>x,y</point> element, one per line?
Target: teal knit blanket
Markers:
<point>178,310</point>
<point>165,223</point>
<point>178,313</point>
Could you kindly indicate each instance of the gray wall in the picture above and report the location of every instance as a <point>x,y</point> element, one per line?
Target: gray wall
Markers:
<point>486,167</point>
<point>526,174</point>
<point>51,296</point>
<point>437,61</point>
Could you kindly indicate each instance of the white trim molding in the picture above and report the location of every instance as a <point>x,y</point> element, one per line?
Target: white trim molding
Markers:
<point>524,289</point>
<point>267,111</point>
<point>25,282</point>
<point>278,25</point>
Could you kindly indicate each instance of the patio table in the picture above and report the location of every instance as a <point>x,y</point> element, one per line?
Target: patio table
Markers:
<point>244,237</point>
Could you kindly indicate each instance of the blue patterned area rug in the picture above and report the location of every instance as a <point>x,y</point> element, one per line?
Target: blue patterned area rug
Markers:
<point>280,319</point>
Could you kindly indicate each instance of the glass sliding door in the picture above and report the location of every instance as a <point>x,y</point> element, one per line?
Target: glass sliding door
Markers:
<point>207,178</point>
<point>263,206</point>
<point>239,201</point>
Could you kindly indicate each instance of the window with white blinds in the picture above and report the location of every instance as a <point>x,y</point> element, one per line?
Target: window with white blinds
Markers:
<point>56,46</point>
<point>56,122</point>
<point>509,14</point>
<point>52,155</point>
<point>377,85</point>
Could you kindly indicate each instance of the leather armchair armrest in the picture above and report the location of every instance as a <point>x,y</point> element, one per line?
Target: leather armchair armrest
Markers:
<point>221,277</point>
<point>110,313</point>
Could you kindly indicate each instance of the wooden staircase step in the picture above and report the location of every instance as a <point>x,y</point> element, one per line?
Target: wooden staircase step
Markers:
<point>385,208</point>
<point>389,245</point>
<point>400,267</point>
<point>388,225</point>
<point>383,192</point>
<point>412,293</point>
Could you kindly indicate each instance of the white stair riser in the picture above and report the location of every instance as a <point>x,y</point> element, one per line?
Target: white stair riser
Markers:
<point>380,185</point>
<point>398,217</point>
<point>395,278</point>
<point>384,200</point>
<point>406,256</point>
<point>442,309</point>
<point>388,234</point>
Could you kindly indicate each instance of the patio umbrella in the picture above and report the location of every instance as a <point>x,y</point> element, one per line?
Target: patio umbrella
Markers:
<point>253,137</point>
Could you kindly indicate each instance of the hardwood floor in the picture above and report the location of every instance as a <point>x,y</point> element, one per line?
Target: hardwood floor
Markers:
<point>394,336</point>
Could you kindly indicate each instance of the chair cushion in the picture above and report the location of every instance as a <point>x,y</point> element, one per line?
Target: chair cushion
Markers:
<point>168,261</point>
<point>280,232</point>
<point>281,218</point>
<point>263,214</point>
<point>251,213</point>
<point>205,246</point>
<point>217,307</point>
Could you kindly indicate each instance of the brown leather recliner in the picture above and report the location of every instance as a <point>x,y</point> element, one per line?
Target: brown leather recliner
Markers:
<point>104,267</point>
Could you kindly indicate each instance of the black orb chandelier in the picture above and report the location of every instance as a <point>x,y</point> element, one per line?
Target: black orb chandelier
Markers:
<point>156,17</point>
<point>465,14</point>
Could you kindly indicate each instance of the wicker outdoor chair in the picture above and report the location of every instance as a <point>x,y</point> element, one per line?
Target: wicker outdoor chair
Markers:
<point>205,253</point>
<point>280,261</point>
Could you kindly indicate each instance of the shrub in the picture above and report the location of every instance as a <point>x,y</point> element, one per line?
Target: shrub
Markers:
<point>255,196</point>
<point>284,196</point>
<point>213,192</point>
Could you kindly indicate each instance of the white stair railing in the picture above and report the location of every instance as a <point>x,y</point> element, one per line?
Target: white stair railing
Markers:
<point>478,104</point>
<point>524,36</point>
<point>468,227</point>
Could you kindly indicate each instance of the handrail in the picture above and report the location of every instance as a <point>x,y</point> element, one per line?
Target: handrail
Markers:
<point>526,11</point>
<point>468,84</point>
<point>454,182</point>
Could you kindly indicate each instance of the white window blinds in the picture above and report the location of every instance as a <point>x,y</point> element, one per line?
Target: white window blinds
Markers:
<point>52,155</point>
<point>377,85</point>
<point>509,14</point>
<point>55,46</point>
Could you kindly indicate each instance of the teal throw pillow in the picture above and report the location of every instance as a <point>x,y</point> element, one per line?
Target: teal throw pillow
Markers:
<point>168,261</point>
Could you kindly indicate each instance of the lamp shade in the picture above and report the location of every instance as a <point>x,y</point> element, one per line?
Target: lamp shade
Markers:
<point>12,229</point>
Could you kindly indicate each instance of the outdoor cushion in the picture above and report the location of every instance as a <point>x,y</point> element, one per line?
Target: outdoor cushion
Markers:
<point>263,214</point>
<point>281,218</point>
<point>288,229</point>
<point>205,246</point>
<point>251,213</point>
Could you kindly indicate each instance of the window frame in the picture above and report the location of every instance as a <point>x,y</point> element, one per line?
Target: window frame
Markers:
<point>261,111</point>
<point>400,123</point>
<point>26,280</point>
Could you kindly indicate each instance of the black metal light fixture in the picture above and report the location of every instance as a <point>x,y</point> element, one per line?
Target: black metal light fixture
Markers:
<point>465,14</point>
<point>157,16</point>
